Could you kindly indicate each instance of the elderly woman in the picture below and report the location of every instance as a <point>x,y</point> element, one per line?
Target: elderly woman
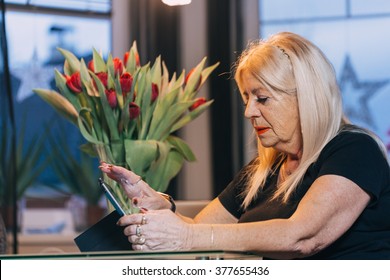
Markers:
<point>318,188</point>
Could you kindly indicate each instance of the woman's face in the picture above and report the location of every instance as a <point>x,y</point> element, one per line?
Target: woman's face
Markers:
<point>275,117</point>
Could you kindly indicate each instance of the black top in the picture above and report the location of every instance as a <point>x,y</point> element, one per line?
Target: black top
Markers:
<point>355,156</point>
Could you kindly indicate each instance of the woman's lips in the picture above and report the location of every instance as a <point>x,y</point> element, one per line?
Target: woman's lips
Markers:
<point>261,129</point>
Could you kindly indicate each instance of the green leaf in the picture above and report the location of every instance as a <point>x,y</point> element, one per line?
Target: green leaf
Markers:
<point>140,154</point>
<point>131,64</point>
<point>162,106</point>
<point>110,67</point>
<point>170,117</point>
<point>86,79</point>
<point>89,149</point>
<point>98,62</point>
<point>118,92</point>
<point>28,161</point>
<point>59,103</point>
<point>77,172</point>
<point>190,90</point>
<point>207,71</point>
<point>146,106</point>
<point>182,147</point>
<point>165,168</point>
<point>86,131</point>
<point>190,116</point>
<point>118,152</point>
<point>165,80</point>
<point>156,72</point>
<point>84,73</point>
<point>72,60</point>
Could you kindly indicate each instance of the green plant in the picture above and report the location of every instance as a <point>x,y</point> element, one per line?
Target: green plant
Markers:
<point>79,173</point>
<point>29,162</point>
<point>128,113</point>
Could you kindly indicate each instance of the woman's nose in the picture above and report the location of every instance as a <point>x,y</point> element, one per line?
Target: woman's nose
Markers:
<point>251,111</point>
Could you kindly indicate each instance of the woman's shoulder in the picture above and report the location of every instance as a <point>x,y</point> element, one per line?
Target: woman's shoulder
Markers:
<point>355,149</point>
<point>355,154</point>
<point>354,138</point>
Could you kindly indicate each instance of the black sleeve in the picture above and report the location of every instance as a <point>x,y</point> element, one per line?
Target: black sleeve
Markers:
<point>231,197</point>
<point>357,157</point>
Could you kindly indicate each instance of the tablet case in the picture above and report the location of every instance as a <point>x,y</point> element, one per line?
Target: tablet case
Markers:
<point>105,235</point>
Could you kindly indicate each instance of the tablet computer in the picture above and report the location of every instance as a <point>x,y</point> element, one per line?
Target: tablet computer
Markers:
<point>112,197</point>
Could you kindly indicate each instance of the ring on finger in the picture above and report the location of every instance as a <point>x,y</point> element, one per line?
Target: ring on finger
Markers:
<point>138,230</point>
<point>143,220</point>
<point>140,240</point>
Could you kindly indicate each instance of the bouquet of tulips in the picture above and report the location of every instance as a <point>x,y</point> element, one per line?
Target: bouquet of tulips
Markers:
<point>128,113</point>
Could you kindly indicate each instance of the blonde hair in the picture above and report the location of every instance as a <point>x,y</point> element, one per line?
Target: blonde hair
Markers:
<point>287,63</point>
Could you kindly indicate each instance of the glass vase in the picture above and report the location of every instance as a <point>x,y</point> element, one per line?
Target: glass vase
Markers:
<point>105,154</point>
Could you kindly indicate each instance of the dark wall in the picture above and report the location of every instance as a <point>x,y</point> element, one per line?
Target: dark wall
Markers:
<point>156,28</point>
<point>226,112</point>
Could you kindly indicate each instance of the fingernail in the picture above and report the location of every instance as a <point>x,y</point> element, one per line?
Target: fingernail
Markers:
<point>135,201</point>
<point>118,223</point>
<point>143,210</point>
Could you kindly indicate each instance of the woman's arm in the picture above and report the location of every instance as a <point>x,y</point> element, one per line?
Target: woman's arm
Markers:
<point>143,196</point>
<point>328,210</point>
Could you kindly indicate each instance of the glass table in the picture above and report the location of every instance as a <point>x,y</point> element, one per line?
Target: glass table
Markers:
<point>136,255</point>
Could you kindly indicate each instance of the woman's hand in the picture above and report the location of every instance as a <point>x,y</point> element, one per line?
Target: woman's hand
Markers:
<point>141,194</point>
<point>157,230</point>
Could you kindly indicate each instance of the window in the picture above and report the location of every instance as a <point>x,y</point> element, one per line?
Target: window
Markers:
<point>34,31</point>
<point>96,6</point>
<point>351,34</point>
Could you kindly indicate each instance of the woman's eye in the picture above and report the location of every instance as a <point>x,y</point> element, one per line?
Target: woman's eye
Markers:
<point>262,100</point>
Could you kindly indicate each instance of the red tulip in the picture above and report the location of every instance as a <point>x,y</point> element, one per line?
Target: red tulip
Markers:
<point>126,57</point>
<point>188,77</point>
<point>103,77</point>
<point>126,81</point>
<point>134,110</point>
<point>74,82</point>
<point>137,61</point>
<point>199,101</point>
<point>118,66</point>
<point>154,92</point>
<point>111,97</point>
<point>91,66</point>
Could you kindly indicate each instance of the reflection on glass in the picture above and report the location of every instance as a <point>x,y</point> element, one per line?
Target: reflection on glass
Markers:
<point>33,40</point>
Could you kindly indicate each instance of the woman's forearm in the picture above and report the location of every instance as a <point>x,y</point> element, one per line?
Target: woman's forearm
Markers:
<point>265,238</point>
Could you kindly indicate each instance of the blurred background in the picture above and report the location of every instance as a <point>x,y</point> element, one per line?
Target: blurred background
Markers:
<point>40,150</point>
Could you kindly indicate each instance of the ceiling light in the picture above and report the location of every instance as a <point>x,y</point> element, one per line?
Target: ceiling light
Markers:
<point>176,2</point>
